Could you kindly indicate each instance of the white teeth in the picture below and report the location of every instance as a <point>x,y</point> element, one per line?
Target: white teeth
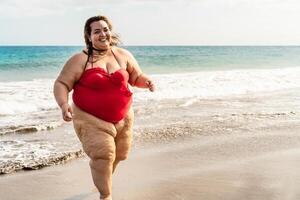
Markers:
<point>103,40</point>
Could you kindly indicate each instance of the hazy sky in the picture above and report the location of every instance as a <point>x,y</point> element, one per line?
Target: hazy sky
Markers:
<point>153,22</point>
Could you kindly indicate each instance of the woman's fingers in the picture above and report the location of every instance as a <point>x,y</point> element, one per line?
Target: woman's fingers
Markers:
<point>67,112</point>
<point>151,86</point>
<point>70,109</point>
<point>67,117</point>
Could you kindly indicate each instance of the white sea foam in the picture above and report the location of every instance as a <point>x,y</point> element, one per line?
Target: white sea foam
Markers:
<point>26,96</point>
<point>37,95</point>
<point>217,84</point>
<point>18,154</point>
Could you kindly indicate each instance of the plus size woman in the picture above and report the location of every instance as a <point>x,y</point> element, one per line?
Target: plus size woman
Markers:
<point>101,112</point>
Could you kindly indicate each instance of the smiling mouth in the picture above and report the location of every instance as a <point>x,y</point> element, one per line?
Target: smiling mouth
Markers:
<point>103,40</point>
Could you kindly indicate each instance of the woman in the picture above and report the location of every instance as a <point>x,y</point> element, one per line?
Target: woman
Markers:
<point>101,110</point>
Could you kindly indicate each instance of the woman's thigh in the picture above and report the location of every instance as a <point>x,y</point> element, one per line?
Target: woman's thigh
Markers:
<point>97,136</point>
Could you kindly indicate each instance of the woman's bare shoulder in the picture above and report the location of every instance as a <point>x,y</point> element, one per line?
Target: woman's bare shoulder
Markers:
<point>76,62</point>
<point>123,52</point>
<point>78,58</point>
<point>72,69</point>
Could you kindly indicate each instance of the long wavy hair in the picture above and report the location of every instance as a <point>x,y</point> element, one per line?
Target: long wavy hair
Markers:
<point>115,39</point>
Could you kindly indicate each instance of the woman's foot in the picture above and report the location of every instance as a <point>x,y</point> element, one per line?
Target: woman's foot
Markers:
<point>105,198</point>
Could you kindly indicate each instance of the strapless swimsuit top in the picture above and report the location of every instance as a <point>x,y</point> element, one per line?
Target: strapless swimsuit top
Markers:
<point>103,95</point>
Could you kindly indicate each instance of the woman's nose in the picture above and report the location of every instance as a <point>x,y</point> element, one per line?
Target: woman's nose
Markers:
<point>102,33</point>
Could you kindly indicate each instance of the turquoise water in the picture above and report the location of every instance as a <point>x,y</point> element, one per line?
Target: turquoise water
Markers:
<point>39,62</point>
<point>32,62</point>
<point>198,58</point>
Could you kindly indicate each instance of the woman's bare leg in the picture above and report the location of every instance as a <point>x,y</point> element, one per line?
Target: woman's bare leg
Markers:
<point>123,138</point>
<point>101,164</point>
<point>97,138</point>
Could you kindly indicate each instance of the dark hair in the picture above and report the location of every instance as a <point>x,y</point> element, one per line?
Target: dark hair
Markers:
<point>87,32</point>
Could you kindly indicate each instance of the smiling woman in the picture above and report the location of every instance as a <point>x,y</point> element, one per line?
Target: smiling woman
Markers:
<point>101,34</point>
<point>102,116</point>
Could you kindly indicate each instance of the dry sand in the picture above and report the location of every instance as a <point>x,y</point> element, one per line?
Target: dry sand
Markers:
<point>248,165</point>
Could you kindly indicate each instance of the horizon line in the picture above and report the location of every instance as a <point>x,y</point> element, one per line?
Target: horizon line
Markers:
<point>166,45</point>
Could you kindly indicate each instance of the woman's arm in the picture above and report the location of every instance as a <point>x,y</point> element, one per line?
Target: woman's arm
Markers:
<point>136,77</point>
<point>64,83</point>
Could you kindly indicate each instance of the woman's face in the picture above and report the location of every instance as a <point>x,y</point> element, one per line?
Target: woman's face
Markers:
<point>100,35</point>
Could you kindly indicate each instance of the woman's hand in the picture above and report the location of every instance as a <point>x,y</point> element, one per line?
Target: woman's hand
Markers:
<point>67,112</point>
<point>150,85</point>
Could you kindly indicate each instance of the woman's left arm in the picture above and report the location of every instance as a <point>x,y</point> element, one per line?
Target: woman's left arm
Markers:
<point>136,77</point>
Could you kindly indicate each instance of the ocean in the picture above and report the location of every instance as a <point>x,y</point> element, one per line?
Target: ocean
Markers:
<point>33,135</point>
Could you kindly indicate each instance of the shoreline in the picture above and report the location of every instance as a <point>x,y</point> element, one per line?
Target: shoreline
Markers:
<point>245,165</point>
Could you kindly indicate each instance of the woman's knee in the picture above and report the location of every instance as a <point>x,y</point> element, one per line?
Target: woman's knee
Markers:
<point>123,149</point>
<point>100,164</point>
<point>108,154</point>
<point>101,148</point>
<point>122,156</point>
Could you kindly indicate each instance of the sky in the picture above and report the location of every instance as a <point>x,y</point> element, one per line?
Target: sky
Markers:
<point>153,22</point>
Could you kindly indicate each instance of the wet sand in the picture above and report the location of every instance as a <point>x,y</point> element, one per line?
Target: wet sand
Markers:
<point>247,165</point>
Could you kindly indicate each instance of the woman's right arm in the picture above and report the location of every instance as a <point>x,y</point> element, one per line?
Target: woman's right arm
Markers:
<point>64,83</point>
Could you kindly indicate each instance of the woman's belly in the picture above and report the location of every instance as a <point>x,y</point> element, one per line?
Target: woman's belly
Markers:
<point>111,105</point>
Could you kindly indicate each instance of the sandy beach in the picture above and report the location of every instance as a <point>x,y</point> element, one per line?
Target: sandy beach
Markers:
<point>249,166</point>
<point>243,152</point>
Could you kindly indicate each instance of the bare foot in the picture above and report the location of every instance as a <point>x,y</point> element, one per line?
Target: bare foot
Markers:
<point>106,198</point>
